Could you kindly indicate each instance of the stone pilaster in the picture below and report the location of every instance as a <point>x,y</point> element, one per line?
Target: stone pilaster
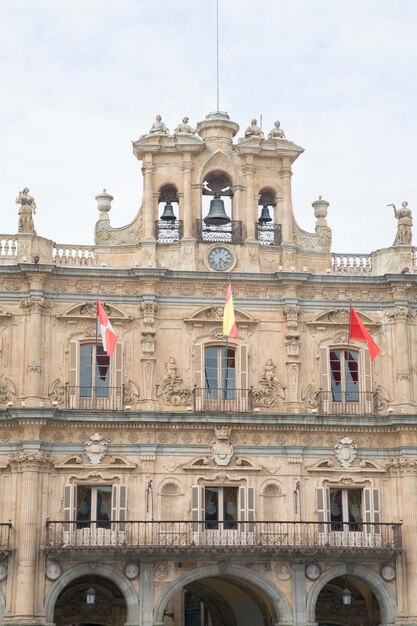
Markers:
<point>28,466</point>
<point>249,172</point>
<point>146,594</point>
<point>287,217</point>
<point>34,308</point>
<point>187,204</point>
<point>148,201</point>
<point>400,316</point>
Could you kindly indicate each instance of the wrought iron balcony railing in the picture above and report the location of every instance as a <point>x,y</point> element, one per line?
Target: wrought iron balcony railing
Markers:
<point>226,233</point>
<point>347,402</point>
<point>197,537</point>
<point>94,398</point>
<point>268,234</point>
<point>5,528</point>
<point>168,232</point>
<point>225,400</point>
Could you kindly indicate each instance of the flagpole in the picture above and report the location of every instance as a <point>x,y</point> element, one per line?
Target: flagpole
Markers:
<point>348,351</point>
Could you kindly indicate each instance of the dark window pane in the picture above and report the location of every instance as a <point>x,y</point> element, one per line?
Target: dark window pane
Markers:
<point>336,375</point>
<point>355,509</point>
<point>83,506</point>
<point>211,506</point>
<point>230,512</point>
<point>86,369</point>
<point>103,515</point>
<point>336,509</point>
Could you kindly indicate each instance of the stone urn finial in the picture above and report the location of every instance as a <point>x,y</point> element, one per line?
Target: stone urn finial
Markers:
<point>104,201</point>
<point>320,207</point>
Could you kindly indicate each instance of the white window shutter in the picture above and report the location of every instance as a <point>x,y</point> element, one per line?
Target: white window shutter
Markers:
<point>73,373</point>
<point>250,508</point>
<point>197,506</point>
<point>372,510</point>
<point>70,500</point>
<point>243,364</point>
<point>323,508</point>
<point>198,365</point>
<point>119,504</point>
<point>118,373</point>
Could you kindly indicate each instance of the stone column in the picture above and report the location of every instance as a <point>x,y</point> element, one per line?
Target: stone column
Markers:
<point>286,202</point>
<point>148,203</point>
<point>146,594</point>
<point>400,315</point>
<point>29,521</point>
<point>187,204</point>
<point>249,171</point>
<point>292,344</point>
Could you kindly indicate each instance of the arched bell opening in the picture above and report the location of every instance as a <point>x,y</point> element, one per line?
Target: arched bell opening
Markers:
<point>169,226</point>
<point>347,601</point>
<point>268,231</point>
<point>90,600</point>
<point>217,202</point>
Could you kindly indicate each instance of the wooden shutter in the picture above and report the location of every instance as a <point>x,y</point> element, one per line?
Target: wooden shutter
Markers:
<point>243,365</point>
<point>372,511</point>
<point>365,377</point>
<point>197,506</point>
<point>324,369</point>
<point>118,374</point>
<point>246,498</point>
<point>198,365</point>
<point>73,373</point>
<point>323,508</point>
<point>70,512</point>
<point>119,505</point>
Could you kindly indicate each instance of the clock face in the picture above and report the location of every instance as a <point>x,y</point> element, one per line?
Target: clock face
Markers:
<point>220,258</point>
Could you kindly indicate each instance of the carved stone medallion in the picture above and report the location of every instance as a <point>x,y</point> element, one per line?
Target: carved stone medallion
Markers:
<point>345,451</point>
<point>95,448</point>
<point>222,449</point>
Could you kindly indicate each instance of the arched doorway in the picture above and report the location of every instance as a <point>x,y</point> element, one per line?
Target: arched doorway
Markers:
<point>72,606</point>
<point>222,595</point>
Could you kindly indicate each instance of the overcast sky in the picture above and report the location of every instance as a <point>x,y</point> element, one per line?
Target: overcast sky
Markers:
<point>81,79</point>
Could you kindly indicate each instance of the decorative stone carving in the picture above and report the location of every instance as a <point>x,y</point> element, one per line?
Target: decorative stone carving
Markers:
<point>184,128</point>
<point>7,390</point>
<point>131,570</point>
<point>310,396</point>
<point>276,132</point>
<point>148,310</point>
<point>130,393</point>
<point>345,451</point>
<point>381,398</point>
<point>253,130</point>
<point>34,461</point>
<point>34,368</point>
<point>158,127</point>
<point>215,312</point>
<point>148,342</point>
<point>161,570</point>
<point>217,335</point>
<point>402,464</point>
<point>57,391</point>
<point>170,390</point>
<point>222,449</point>
<point>400,314</point>
<point>95,448</point>
<point>35,304</point>
<point>291,316</point>
<point>404,234</point>
<point>271,390</point>
<point>339,316</point>
<point>90,309</point>
<point>26,211</point>
<point>53,571</point>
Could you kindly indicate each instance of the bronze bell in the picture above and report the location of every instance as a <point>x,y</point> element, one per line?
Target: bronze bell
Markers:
<point>168,214</point>
<point>264,216</point>
<point>217,216</point>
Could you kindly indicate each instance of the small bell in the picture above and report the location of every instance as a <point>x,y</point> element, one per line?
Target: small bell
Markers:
<point>216,216</point>
<point>264,216</point>
<point>168,214</point>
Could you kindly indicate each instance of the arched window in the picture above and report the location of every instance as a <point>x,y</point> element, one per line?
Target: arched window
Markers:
<point>217,222</point>
<point>268,232</point>
<point>168,225</point>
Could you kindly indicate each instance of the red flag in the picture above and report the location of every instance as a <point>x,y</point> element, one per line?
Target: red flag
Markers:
<point>357,330</point>
<point>107,331</point>
<point>229,322</point>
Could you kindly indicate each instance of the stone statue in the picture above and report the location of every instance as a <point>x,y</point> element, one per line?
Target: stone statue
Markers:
<point>269,373</point>
<point>404,229</point>
<point>171,368</point>
<point>158,127</point>
<point>184,128</point>
<point>253,130</point>
<point>26,210</point>
<point>276,132</point>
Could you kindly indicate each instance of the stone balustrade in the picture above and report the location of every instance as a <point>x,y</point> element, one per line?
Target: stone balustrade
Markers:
<point>351,263</point>
<point>73,255</point>
<point>8,246</point>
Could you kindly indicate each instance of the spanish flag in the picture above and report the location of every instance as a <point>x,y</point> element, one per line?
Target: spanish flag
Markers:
<point>229,322</point>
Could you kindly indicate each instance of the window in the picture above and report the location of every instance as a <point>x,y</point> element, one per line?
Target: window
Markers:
<point>220,505</point>
<point>93,506</point>
<point>95,380</point>
<point>344,374</point>
<point>220,373</point>
<point>351,513</point>
<point>94,371</point>
<point>91,512</point>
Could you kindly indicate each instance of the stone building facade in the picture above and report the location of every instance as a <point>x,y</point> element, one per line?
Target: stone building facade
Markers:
<point>190,480</point>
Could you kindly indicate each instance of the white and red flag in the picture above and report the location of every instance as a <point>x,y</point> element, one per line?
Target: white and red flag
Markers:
<point>108,335</point>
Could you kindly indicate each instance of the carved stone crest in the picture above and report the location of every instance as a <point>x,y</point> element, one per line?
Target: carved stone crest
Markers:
<point>222,449</point>
<point>345,451</point>
<point>171,390</point>
<point>95,448</point>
